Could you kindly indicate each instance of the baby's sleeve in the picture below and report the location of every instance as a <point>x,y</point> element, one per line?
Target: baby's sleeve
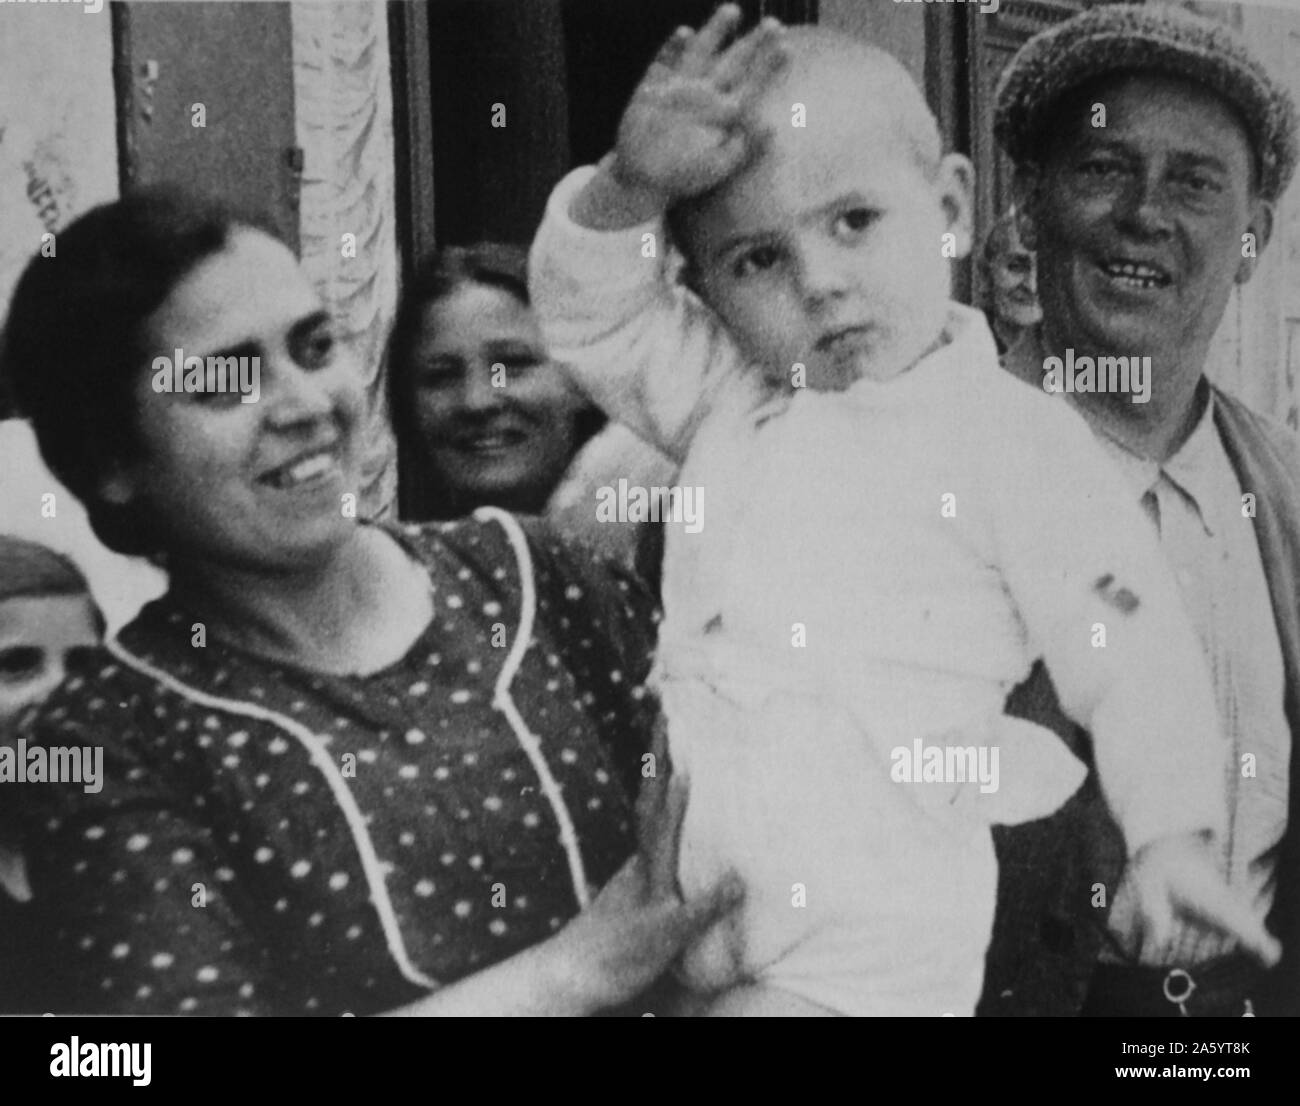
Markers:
<point>649,353</point>
<point>1091,585</point>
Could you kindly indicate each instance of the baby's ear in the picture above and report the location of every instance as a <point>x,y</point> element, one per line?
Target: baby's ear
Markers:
<point>1256,237</point>
<point>955,181</point>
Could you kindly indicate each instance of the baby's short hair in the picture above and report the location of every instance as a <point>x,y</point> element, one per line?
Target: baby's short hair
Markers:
<point>813,48</point>
<point>811,52</point>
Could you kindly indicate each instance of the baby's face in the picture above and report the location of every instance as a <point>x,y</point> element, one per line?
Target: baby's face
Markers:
<point>826,249</point>
<point>36,635</point>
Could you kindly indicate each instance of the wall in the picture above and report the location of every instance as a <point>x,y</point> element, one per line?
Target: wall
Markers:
<point>234,60</point>
<point>58,151</point>
<point>1256,352</point>
<point>58,159</point>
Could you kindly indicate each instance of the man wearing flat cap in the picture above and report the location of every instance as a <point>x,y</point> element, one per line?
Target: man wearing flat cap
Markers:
<point>1144,215</point>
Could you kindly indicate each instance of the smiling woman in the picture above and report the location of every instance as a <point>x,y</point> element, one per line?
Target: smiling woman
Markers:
<point>477,403</point>
<point>347,769</point>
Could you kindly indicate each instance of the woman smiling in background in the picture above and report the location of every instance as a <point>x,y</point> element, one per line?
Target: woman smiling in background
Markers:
<point>476,400</point>
<point>483,416</point>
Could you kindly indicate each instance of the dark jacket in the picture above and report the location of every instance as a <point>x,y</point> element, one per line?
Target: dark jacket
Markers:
<point>1047,933</point>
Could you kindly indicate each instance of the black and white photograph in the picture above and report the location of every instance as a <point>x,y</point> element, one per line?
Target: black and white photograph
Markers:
<point>651,508</point>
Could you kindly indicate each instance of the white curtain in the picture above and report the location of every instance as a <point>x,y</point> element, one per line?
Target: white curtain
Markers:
<point>344,116</point>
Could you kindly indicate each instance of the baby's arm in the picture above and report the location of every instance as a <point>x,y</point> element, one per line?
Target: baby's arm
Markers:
<point>650,354</point>
<point>1098,600</point>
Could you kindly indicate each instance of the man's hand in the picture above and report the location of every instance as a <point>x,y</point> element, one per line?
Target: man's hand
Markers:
<point>1177,876</point>
<point>683,131</point>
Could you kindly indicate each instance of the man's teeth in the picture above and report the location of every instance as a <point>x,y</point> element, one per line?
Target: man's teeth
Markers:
<point>304,470</point>
<point>502,440</point>
<point>1138,276</point>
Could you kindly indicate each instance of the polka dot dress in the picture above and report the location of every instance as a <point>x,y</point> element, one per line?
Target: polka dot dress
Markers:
<point>216,871</point>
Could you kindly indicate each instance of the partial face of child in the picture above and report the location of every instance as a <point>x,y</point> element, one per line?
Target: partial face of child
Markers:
<point>37,633</point>
<point>827,249</point>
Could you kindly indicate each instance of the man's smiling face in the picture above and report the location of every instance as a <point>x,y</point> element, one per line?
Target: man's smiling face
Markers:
<point>1139,223</point>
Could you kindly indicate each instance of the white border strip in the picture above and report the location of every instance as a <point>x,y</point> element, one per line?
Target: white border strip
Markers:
<point>506,705</point>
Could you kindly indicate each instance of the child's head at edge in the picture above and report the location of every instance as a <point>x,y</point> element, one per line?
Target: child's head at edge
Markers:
<point>827,248</point>
<point>45,612</point>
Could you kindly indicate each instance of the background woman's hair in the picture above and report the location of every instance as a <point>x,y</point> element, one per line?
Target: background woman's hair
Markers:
<point>74,342</point>
<point>491,264</point>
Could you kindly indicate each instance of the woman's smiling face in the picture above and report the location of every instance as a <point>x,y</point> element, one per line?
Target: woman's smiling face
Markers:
<point>257,484</point>
<point>496,416</point>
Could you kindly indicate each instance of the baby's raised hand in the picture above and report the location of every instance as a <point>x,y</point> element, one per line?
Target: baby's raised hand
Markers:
<point>682,132</point>
<point>1177,876</point>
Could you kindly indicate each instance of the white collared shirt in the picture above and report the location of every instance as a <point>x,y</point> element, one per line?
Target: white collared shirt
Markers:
<point>1195,503</point>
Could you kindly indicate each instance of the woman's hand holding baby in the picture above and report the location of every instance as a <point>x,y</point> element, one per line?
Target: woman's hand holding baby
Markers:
<point>1177,876</point>
<point>683,130</point>
<point>638,924</point>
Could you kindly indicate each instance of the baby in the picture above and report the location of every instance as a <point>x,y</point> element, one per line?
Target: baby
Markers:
<point>897,531</point>
<point>45,612</point>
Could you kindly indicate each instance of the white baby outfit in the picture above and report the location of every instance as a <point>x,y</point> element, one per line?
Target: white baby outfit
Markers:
<point>878,567</point>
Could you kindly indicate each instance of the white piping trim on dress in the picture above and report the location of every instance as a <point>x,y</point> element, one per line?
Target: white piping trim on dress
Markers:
<point>325,765</point>
<point>502,700</point>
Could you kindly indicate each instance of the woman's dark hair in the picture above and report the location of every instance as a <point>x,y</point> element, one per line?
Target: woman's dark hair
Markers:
<point>492,264</point>
<point>74,345</point>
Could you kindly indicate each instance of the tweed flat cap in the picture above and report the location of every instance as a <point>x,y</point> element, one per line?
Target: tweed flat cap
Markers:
<point>1161,39</point>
